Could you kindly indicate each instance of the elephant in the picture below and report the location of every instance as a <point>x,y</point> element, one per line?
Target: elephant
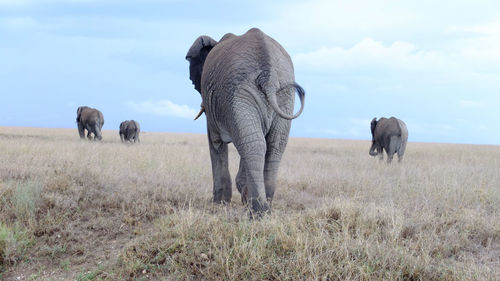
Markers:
<point>389,134</point>
<point>247,86</point>
<point>90,119</point>
<point>129,131</point>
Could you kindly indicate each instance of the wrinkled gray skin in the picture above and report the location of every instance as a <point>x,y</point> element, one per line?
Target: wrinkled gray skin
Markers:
<point>89,119</point>
<point>389,134</point>
<point>248,88</point>
<point>129,131</point>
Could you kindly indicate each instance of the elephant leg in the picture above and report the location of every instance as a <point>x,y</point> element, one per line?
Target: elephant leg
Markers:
<point>389,158</point>
<point>270,176</point>
<point>394,143</point>
<point>276,144</point>
<point>252,149</point>
<point>122,138</point>
<point>97,133</point>
<point>222,191</point>
<point>89,134</point>
<point>241,182</point>
<point>401,152</point>
<point>81,130</point>
<point>380,151</point>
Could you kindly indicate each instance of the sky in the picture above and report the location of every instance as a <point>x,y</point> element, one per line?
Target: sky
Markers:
<point>433,64</point>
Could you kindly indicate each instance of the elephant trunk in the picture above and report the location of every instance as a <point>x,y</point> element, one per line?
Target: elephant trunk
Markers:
<point>372,150</point>
<point>271,97</point>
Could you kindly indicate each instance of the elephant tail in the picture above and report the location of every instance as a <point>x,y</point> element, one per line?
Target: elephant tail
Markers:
<point>271,97</point>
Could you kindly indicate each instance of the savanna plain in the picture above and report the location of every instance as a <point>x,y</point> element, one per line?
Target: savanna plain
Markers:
<point>78,210</point>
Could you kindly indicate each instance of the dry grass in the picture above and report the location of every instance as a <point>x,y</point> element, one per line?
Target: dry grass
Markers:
<point>74,210</point>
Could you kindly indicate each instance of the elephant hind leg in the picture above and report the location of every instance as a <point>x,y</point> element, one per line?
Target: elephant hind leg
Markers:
<point>276,144</point>
<point>81,130</point>
<point>222,191</point>
<point>401,151</point>
<point>241,182</point>
<point>252,152</point>
<point>394,144</point>
<point>97,133</point>
<point>380,152</point>
<point>400,156</point>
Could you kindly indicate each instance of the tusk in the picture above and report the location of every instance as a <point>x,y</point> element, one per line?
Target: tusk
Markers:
<point>202,109</point>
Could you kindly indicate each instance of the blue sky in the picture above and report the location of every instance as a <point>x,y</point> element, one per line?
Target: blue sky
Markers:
<point>434,64</point>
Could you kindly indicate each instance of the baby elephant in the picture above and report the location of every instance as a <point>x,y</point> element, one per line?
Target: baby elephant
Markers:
<point>389,134</point>
<point>129,131</point>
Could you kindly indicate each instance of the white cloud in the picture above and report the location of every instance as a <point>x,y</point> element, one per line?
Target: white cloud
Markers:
<point>374,54</point>
<point>471,104</point>
<point>163,108</point>
<point>492,28</point>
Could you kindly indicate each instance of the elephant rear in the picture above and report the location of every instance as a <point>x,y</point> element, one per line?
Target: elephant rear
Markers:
<point>403,139</point>
<point>89,119</point>
<point>389,134</point>
<point>129,131</point>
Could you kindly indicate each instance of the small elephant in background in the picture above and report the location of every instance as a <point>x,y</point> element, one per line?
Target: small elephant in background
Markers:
<point>389,134</point>
<point>129,131</point>
<point>89,119</point>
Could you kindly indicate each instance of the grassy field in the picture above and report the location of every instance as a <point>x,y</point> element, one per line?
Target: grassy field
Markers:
<point>74,210</point>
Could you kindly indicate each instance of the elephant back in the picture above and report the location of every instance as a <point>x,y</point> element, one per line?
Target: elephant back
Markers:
<point>239,59</point>
<point>387,127</point>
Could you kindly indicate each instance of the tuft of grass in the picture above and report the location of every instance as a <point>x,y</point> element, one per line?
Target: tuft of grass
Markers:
<point>14,242</point>
<point>4,243</point>
<point>24,200</point>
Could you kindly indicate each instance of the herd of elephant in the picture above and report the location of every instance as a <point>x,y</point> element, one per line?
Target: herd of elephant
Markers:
<point>247,86</point>
<point>92,120</point>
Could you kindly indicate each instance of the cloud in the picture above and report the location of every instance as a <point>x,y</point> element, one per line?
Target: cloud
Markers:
<point>492,28</point>
<point>471,104</point>
<point>163,108</point>
<point>369,53</point>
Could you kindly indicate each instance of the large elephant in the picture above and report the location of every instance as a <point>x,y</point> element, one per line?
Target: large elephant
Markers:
<point>89,119</point>
<point>248,88</point>
<point>389,134</point>
<point>129,131</point>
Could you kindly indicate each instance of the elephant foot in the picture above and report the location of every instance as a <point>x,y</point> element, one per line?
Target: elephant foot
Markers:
<point>222,201</point>
<point>258,209</point>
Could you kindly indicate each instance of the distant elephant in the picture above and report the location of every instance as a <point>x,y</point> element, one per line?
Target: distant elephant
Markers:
<point>89,119</point>
<point>389,134</point>
<point>129,131</point>
<point>248,89</point>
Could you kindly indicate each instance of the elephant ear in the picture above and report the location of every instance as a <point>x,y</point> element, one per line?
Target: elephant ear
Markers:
<point>78,113</point>
<point>196,56</point>
<point>373,125</point>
